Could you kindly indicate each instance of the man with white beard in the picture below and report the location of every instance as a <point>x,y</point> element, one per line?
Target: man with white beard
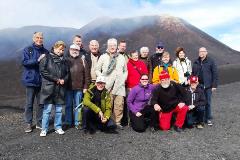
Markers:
<point>168,98</point>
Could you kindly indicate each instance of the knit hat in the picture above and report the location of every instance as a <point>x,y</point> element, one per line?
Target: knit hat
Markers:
<point>164,75</point>
<point>193,79</point>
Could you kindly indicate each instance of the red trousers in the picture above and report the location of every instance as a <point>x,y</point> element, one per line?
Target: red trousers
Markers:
<point>165,118</point>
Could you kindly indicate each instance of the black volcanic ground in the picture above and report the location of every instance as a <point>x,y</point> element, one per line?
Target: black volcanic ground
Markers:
<point>219,142</point>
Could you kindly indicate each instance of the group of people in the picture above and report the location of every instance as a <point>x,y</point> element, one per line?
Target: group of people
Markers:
<point>100,90</point>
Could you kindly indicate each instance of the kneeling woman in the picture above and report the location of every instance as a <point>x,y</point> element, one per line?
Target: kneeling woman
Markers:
<point>139,109</point>
<point>54,74</point>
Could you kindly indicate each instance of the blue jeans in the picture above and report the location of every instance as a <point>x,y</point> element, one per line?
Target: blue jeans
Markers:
<point>73,99</point>
<point>208,110</point>
<point>46,114</point>
<point>31,93</point>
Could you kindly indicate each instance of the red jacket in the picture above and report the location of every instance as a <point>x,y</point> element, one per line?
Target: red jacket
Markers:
<point>135,69</point>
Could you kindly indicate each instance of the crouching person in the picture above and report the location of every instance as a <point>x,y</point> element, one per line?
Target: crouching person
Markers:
<point>97,108</point>
<point>168,98</point>
<point>196,102</point>
<point>139,108</point>
<point>54,72</point>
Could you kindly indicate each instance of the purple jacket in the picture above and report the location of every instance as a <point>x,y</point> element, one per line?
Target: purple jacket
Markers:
<point>138,97</point>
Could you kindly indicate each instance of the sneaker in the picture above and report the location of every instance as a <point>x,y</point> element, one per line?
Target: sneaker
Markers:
<point>38,127</point>
<point>43,133</point>
<point>28,128</point>
<point>119,126</point>
<point>199,126</point>
<point>177,129</point>
<point>209,123</point>
<point>59,131</point>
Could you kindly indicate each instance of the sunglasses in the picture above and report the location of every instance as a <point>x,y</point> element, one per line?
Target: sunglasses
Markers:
<point>160,47</point>
<point>144,79</point>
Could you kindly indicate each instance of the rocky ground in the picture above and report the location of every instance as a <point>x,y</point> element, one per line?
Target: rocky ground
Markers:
<point>219,142</point>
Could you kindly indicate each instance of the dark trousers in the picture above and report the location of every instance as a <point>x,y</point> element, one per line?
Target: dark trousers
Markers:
<point>31,94</point>
<point>196,115</point>
<point>91,121</point>
<point>208,109</point>
<point>139,124</point>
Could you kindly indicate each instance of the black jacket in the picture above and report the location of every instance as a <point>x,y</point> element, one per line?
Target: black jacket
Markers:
<point>89,60</point>
<point>52,68</point>
<point>168,98</point>
<point>206,71</point>
<point>197,96</point>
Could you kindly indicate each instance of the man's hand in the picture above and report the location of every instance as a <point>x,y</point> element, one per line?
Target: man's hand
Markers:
<point>181,104</point>
<point>61,81</point>
<point>214,89</point>
<point>100,114</point>
<point>41,57</point>
<point>104,120</point>
<point>157,108</point>
<point>138,114</point>
<point>191,107</point>
<point>84,90</point>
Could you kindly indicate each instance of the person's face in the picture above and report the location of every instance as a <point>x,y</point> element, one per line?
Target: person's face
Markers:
<point>74,52</point>
<point>100,85</point>
<point>38,39</point>
<point>77,41</point>
<point>181,54</point>
<point>194,85</point>
<point>134,56</point>
<point>202,53</point>
<point>166,59</point>
<point>59,51</point>
<point>159,49</point>
<point>94,47</point>
<point>122,47</point>
<point>165,83</point>
<point>144,54</point>
<point>112,47</point>
<point>144,80</point>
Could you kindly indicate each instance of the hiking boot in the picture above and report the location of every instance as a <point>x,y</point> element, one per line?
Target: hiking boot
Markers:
<point>177,129</point>
<point>111,131</point>
<point>209,123</point>
<point>59,131</point>
<point>199,126</point>
<point>28,128</point>
<point>43,133</point>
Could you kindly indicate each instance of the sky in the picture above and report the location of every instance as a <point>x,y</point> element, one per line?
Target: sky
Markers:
<point>220,19</point>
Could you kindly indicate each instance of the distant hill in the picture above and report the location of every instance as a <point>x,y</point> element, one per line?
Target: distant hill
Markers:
<point>137,31</point>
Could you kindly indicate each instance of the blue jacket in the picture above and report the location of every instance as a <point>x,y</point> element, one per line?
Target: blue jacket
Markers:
<point>31,75</point>
<point>206,71</point>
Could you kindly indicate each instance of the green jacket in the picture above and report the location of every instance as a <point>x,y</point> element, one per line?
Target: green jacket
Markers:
<point>105,107</point>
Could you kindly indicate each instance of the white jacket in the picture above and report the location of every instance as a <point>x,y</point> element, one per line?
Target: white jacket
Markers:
<point>117,77</point>
<point>183,67</point>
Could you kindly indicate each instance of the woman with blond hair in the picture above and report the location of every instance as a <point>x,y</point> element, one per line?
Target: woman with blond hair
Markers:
<point>54,72</point>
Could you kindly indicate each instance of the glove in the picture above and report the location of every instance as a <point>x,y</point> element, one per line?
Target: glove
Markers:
<point>191,107</point>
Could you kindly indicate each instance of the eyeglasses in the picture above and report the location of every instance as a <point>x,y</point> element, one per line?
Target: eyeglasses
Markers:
<point>145,79</point>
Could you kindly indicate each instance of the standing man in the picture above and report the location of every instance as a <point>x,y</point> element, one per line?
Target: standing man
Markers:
<point>155,59</point>
<point>92,58</point>
<point>206,70</point>
<point>113,66</point>
<point>122,46</point>
<point>77,39</point>
<point>31,79</point>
